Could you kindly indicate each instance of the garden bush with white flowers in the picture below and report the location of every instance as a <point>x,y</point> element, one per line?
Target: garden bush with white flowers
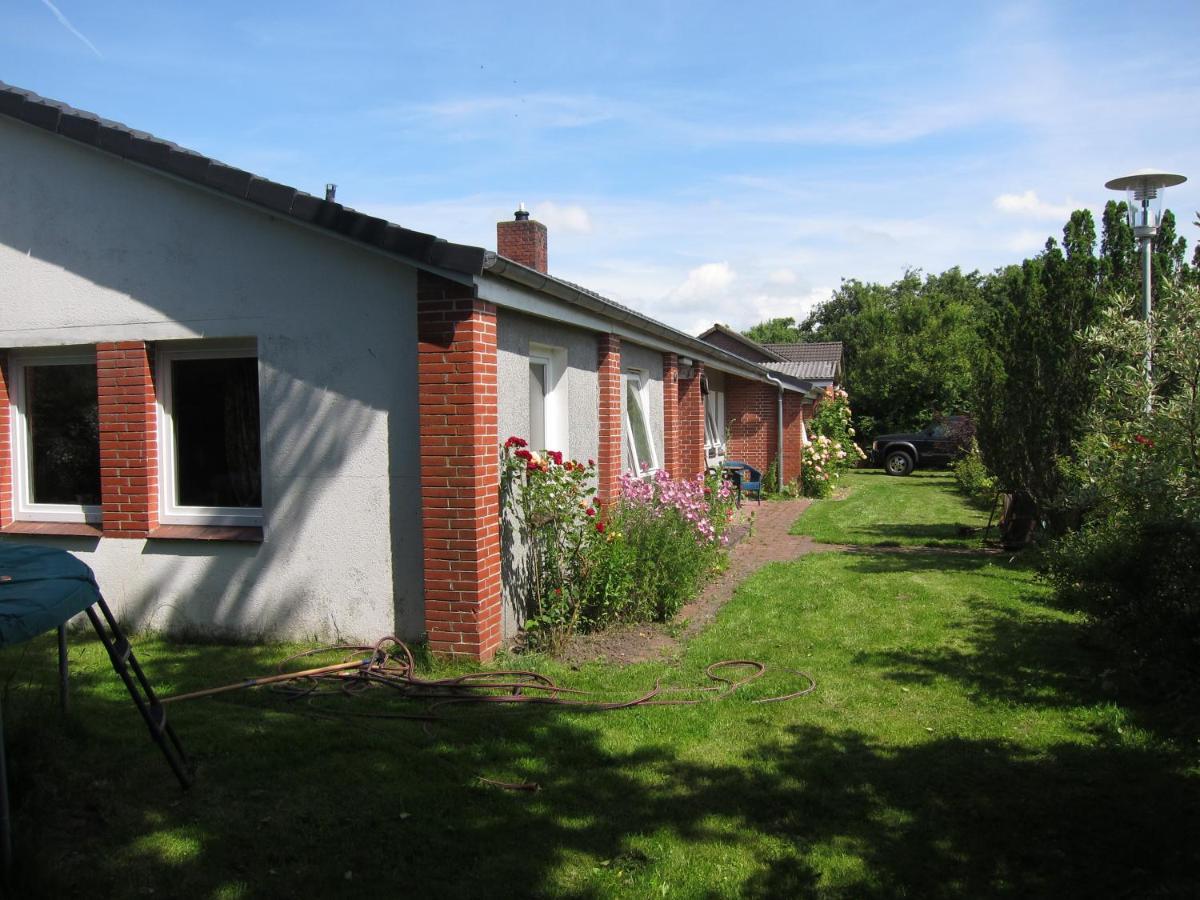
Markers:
<point>830,449</point>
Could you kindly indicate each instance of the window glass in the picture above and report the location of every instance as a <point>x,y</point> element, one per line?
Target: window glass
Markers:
<point>214,411</point>
<point>64,434</point>
<point>537,404</point>
<point>637,430</point>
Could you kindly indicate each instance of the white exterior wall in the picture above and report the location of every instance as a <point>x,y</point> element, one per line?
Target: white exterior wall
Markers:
<point>514,333</point>
<point>96,249</point>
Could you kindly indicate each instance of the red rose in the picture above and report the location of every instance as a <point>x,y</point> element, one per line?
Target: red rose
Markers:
<point>531,466</point>
<point>555,455</point>
<point>515,441</point>
<point>590,511</point>
<point>523,454</point>
<point>600,526</point>
<point>591,463</point>
<point>597,502</point>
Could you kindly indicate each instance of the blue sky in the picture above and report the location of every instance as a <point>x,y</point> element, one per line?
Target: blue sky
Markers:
<point>699,161</point>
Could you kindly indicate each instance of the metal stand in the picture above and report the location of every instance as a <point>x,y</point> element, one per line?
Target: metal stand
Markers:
<point>123,660</point>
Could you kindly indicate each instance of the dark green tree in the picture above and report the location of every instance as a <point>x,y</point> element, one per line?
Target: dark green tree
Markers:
<point>774,331</point>
<point>1035,382</point>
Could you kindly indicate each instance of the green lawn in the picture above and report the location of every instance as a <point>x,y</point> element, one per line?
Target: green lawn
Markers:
<point>960,744</point>
<point>874,509</point>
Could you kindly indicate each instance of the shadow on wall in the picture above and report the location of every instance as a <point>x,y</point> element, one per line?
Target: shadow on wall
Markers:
<point>336,329</point>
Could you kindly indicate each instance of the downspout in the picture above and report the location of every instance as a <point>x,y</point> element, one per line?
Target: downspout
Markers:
<point>779,433</point>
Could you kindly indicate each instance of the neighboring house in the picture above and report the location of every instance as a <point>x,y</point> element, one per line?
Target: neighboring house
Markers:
<point>256,412</point>
<point>819,362</point>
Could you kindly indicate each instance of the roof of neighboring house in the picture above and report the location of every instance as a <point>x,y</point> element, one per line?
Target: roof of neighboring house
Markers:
<point>188,165</point>
<point>814,370</point>
<point>724,336</point>
<point>820,351</point>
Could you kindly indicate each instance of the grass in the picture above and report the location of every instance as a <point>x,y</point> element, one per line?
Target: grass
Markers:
<point>961,742</point>
<point>919,510</point>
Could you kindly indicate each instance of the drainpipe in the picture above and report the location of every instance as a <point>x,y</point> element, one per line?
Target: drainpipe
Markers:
<point>779,433</point>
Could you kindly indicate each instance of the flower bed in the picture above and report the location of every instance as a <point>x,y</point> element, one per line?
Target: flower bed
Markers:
<point>587,565</point>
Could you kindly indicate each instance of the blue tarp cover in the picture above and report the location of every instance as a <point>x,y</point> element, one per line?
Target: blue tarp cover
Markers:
<point>40,588</point>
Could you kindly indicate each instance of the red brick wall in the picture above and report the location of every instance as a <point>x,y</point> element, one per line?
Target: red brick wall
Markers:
<point>671,461</point>
<point>6,485</point>
<point>460,470</point>
<point>608,461</point>
<point>128,439</point>
<point>691,425</point>
<point>793,410</point>
<point>523,241</point>
<point>752,416</point>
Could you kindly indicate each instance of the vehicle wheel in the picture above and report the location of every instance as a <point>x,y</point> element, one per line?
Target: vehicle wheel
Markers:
<point>898,463</point>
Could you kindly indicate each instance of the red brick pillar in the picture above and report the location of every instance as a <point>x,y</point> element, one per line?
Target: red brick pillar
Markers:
<point>460,470</point>
<point>6,484</point>
<point>128,439</point>
<point>671,460</point>
<point>691,425</point>
<point>793,414</point>
<point>608,461</point>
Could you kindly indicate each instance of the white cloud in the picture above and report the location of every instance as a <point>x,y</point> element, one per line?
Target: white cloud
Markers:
<point>570,218</point>
<point>1029,204</point>
<point>1024,242</point>
<point>782,276</point>
<point>704,282</point>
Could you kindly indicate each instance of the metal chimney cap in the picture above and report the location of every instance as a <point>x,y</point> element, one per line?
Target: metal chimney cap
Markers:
<point>1145,178</point>
<point>522,213</point>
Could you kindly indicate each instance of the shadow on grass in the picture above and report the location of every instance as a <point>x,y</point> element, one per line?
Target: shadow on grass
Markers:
<point>287,804</point>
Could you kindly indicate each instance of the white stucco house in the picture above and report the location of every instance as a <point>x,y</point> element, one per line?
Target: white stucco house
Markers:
<point>256,412</point>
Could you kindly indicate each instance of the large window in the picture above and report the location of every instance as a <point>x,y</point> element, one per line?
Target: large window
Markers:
<point>209,432</point>
<point>639,445</point>
<point>548,398</point>
<point>55,436</point>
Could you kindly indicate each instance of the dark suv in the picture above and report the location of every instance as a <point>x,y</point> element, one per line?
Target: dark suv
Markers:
<point>937,445</point>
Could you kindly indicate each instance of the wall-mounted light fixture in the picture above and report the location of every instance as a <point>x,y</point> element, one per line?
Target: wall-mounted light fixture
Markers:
<point>685,368</point>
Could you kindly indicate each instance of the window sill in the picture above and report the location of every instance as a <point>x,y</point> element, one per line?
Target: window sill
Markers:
<point>247,534</point>
<point>65,529</point>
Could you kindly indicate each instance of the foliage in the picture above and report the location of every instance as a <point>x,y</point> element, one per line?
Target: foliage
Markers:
<point>1135,481</point>
<point>554,505</point>
<point>775,331</point>
<point>909,346</point>
<point>1035,380</point>
<point>588,566</point>
<point>972,476</point>
<point>661,538</point>
<point>830,449</point>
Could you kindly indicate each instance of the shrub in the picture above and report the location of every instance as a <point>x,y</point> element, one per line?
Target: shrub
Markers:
<point>972,476</point>
<point>556,517</point>
<point>1134,562</point>
<point>830,449</point>
<point>584,566</point>
<point>661,538</point>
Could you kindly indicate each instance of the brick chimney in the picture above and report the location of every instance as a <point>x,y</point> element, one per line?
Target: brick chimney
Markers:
<point>522,240</point>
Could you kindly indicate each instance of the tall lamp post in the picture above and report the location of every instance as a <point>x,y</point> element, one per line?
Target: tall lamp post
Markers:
<point>1143,202</point>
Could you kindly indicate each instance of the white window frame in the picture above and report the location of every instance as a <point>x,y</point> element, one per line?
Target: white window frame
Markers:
<point>24,509</point>
<point>554,400</point>
<point>642,383</point>
<point>170,512</point>
<point>714,450</point>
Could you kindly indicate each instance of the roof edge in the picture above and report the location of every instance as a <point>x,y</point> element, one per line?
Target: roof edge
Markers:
<point>154,153</point>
